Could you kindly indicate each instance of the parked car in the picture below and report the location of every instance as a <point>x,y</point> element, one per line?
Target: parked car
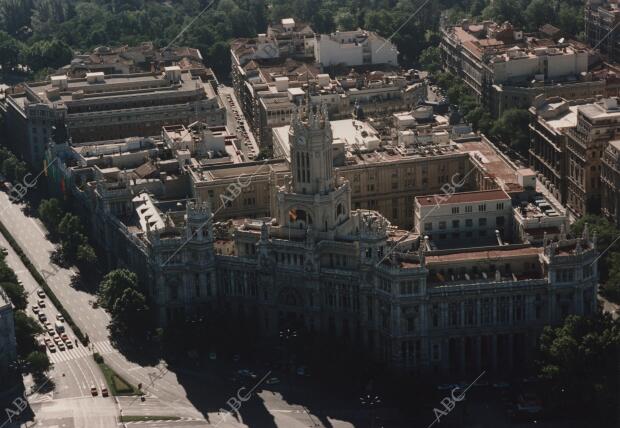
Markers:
<point>60,318</point>
<point>42,317</point>
<point>104,391</point>
<point>61,346</point>
<point>501,385</point>
<point>302,371</point>
<point>246,373</point>
<point>272,381</point>
<point>41,294</point>
<point>446,387</point>
<point>93,391</point>
<point>41,303</point>
<point>35,309</point>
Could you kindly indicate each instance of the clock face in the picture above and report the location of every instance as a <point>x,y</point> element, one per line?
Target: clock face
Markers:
<point>301,140</point>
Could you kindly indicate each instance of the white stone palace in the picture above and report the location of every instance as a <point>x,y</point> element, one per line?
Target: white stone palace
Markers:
<point>416,302</point>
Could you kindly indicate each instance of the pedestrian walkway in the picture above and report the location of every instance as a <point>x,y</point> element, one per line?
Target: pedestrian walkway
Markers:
<point>104,347</point>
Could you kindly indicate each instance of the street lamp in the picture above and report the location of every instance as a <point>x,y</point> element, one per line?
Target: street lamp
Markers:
<point>370,400</point>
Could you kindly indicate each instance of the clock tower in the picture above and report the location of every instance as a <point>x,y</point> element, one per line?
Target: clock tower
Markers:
<point>311,152</point>
<point>313,195</point>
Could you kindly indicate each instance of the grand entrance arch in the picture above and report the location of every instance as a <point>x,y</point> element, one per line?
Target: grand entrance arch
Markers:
<point>291,306</point>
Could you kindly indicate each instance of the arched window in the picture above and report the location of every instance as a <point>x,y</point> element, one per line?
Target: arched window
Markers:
<point>339,211</point>
<point>299,217</point>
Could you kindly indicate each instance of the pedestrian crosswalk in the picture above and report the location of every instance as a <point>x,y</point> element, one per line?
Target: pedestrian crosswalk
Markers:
<point>168,421</point>
<point>103,347</point>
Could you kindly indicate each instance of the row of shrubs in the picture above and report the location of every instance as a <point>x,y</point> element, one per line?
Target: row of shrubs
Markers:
<point>43,284</point>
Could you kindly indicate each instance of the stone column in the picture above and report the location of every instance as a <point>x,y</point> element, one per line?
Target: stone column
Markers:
<point>493,356</point>
<point>445,356</point>
<point>462,362</point>
<point>477,344</point>
<point>510,351</point>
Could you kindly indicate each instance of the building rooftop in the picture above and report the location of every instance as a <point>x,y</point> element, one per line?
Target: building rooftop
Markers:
<point>497,253</point>
<point>492,42</point>
<point>96,87</point>
<point>462,198</point>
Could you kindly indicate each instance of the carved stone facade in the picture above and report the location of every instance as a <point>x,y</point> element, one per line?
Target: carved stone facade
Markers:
<point>319,266</point>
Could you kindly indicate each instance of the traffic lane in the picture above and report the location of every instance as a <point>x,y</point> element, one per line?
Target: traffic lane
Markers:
<point>31,236</point>
<point>87,412</point>
<point>72,384</point>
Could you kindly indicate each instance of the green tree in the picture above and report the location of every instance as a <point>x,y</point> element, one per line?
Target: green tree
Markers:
<point>570,19</point>
<point>16,294</point>
<point>6,273</point>
<point>15,14</point>
<point>611,287</point>
<point>86,255</point>
<point>9,51</point>
<point>114,284</point>
<point>480,119</point>
<point>580,362</point>
<point>26,329</point>
<point>430,59</point>
<point>47,53</point>
<point>72,235</point>
<point>13,168</point>
<point>505,10</point>
<point>51,214</point>
<point>129,314</point>
<point>39,363</point>
<point>345,21</point>
<point>538,13</point>
<point>606,232</point>
<point>512,129</point>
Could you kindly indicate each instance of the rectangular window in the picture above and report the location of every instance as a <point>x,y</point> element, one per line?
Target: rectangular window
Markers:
<point>482,207</point>
<point>455,210</point>
<point>456,224</point>
<point>428,226</point>
<point>500,206</point>
<point>469,222</point>
<point>442,225</point>
<point>468,209</point>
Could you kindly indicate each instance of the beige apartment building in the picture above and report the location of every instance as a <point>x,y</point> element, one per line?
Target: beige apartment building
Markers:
<point>610,182</point>
<point>569,139</point>
<point>505,68</point>
<point>103,107</point>
<point>601,17</point>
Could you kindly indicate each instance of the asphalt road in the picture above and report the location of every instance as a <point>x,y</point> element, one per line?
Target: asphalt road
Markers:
<point>236,122</point>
